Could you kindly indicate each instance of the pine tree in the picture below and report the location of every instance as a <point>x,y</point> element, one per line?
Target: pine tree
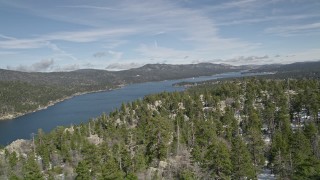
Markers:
<point>218,160</point>
<point>83,171</point>
<point>254,137</point>
<point>13,159</point>
<point>301,154</point>
<point>241,161</point>
<point>280,155</point>
<point>186,175</point>
<point>111,171</point>
<point>13,177</point>
<point>31,169</point>
<point>159,132</point>
<point>312,134</point>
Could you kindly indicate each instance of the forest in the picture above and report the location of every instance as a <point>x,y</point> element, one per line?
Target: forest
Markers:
<point>223,130</point>
<point>18,98</point>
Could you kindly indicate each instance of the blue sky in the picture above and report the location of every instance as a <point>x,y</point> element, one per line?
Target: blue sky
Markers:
<point>64,35</point>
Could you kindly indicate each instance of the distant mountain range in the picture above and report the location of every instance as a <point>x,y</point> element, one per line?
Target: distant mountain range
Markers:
<point>294,70</point>
<point>149,72</point>
<point>89,77</point>
<point>299,66</point>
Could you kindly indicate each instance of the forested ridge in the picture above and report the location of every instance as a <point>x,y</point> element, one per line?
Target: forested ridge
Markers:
<point>24,92</point>
<point>226,130</point>
<point>295,70</point>
<point>18,98</point>
<point>300,70</point>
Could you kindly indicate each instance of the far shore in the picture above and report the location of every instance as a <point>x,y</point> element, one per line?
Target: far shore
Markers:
<point>52,103</point>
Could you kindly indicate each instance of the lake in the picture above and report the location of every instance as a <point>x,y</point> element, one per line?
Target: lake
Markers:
<point>81,108</point>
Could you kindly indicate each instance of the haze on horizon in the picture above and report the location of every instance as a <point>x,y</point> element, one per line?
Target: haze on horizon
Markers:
<point>43,35</point>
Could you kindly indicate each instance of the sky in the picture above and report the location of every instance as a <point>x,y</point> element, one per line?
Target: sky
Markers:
<point>65,35</point>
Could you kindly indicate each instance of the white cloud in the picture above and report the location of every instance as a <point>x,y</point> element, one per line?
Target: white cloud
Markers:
<point>123,66</point>
<point>142,18</point>
<point>115,55</point>
<point>68,67</point>
<point>89,35</point>
<point>299,56</point>
<point>88,65</point>
<point>75,36</point>
<point>277,18</point>
<point>307,55</point>
<point>236,4</point>
<point>6,37</point>
<point>89,7</point>
<point>160,30</point>
<point>248,60</point>
<point>44,65</point>
<point>23,44</point>
<point>294,29</point>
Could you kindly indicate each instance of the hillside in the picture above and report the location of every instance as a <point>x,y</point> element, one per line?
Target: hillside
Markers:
<point>158,72</point>
<point>299,66</point>
<point>79,78</point>
<point>229,130</point>
<point>22,92</point>
<point>294,70</point>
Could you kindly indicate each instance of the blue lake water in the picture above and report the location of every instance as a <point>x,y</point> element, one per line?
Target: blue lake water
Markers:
<point>81,108</point>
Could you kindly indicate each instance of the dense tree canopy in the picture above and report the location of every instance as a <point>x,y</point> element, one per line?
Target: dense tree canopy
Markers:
<point>226,130</point>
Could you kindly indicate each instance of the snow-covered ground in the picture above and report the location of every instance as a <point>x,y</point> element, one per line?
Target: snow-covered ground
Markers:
<point>266,175</point>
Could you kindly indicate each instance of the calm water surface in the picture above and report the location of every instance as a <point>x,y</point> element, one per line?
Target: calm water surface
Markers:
<point>81,108</point>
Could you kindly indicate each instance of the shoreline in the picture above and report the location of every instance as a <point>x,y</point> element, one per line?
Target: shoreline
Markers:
<point>9,117</point>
